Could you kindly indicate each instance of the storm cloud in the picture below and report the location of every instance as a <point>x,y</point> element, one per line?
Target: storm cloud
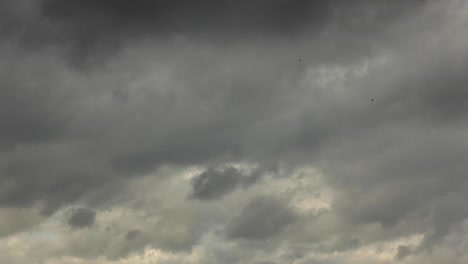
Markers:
<point>233,131</point>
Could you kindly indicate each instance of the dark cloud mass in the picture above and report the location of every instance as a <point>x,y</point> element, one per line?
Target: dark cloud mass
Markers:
<point>90,29</point>
<point>402,252</point>
<point>211,15</point>
<point>270,131</point>
<point>81,218</point>
<point>215,183</point>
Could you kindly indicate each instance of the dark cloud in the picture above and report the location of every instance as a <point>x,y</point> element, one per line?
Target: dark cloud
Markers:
<point>216,16</point>
<point>262,218</point>
<point>212,184</point>
<point>81,218</point>
<point>403,252</point>
<point>132,234</point>
<point>228,103</point>
<point>92,30</point>
<point>31,110</point>
<point>16,14</point>
<point>215,183</point>
<point>343,244</point>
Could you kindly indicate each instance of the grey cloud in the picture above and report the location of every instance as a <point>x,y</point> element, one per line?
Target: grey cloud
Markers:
<point>31,107</point>
<point>53,174</point>
<point>401,168</point>
<point>209,15</point>
<point>215,183</point>
<point>252,117</point>
<point>179,233</point>
<point>180,93</point>
<point>448,212</point>
<point>132,234</point>
<point>342,244</point>
<point>403,251</point>
<point>91,31</point>
<point>18,219</point>
<point>262,218</point>
<point>16,14</point>
<point>393,190</point>
<point>81,218</point>
<point>212,184</point>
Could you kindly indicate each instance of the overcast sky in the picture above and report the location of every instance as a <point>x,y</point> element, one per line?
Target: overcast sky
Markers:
<point>225,131</point>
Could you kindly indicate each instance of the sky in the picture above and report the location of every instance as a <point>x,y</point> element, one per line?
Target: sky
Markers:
<point>222,131</point>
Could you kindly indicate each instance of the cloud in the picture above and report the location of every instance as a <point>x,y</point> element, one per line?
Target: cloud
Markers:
<point>215,183</point>
<point>94,30</point>
<point>213,16</point>
<point>262,218</point>
<point>212,184</point>
<point>81,218</point>
<point>18,219</point>
<point>127,108</point>
<point>132,234</point>
<point>403,251</point>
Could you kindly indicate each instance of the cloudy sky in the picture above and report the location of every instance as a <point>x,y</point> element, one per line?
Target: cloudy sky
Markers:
<point>222,131</point>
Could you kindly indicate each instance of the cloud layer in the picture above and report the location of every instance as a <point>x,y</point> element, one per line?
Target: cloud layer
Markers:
<point>233,131</point>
